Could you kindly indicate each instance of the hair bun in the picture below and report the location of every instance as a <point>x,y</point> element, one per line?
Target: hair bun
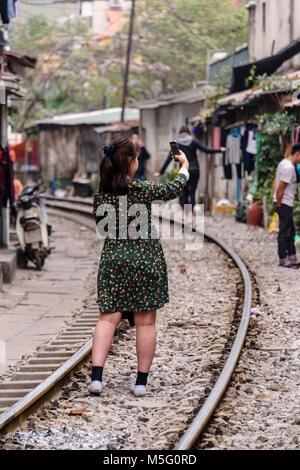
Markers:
<point>109,150</point>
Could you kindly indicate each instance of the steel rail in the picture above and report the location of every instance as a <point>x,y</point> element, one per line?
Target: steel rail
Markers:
<point>200,421</point>
<point>203,416</point>
<point>198,424</point>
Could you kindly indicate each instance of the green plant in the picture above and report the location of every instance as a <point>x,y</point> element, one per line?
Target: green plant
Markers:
<point>277,123</point>
<point>297,216</point>
<point>251,79</point>
<point>267,160</point>
<point>170,175</point>
<point>276,83</point>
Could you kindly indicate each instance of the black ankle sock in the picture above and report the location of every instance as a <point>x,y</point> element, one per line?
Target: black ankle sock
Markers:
<point>142,378</point>
<point>97,373</point>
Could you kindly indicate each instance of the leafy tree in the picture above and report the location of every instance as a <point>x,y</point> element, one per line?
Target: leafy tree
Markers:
<point>169,53</point>
<point>67,76</point>
<point>172,39</point>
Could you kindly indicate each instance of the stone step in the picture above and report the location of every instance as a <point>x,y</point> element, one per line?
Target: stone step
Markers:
<point>8,401</point>
<point>58,353</point>
<point>8,263</point>
<point>58,347</point>
<point>25,376</point>
<point>13,384</point>
<point>39,367</point>
<point>79,329</point>
<point>89,316</point>
<point>73,336</point>
<point>66,341</point>
<point>49,360</point>
<point>14,392</point>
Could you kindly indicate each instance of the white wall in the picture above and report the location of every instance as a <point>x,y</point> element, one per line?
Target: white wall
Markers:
<point>159,126</point>
<point>99,15</point>
<point>278,29</point>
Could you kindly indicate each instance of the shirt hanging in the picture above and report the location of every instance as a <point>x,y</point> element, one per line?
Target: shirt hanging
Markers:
<point>233,150</point>
<point>251,145</point>
<point>4,11</point>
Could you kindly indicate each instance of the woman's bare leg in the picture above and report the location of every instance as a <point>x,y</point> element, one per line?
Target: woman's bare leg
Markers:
<point>103,337</point>
<point>145,338</point>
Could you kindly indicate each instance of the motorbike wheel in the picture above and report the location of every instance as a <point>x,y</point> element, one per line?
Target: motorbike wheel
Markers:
<point>38,260</point>
<point>22,259</point>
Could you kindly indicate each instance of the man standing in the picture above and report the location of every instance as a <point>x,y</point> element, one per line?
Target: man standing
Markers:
<point>284,199</point>
<point>143,157</point>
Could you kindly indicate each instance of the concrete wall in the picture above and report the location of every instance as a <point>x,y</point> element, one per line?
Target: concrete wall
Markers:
<point>159,126</point>
<point>66,149</point>
<point>282,25</point>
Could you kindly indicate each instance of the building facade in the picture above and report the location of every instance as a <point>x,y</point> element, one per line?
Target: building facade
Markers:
<point>272,25</point>
<point>102,16</point>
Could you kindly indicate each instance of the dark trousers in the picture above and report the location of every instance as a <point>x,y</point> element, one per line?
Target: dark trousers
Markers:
<point>286,236</point>
<point>189,193</point>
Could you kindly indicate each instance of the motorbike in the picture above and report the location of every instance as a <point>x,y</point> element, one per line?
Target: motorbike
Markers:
<point>33,230</point>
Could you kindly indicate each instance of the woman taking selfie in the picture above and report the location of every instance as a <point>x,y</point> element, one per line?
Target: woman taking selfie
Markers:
<point>132,275</point>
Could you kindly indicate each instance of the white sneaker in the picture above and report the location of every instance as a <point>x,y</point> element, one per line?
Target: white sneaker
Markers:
<point>95,387</point>
<point>138,390</point>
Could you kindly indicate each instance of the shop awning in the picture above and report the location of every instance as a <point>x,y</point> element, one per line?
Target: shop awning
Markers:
<point>268,65</point>
<point>20,150</point>
<point>242,98</point>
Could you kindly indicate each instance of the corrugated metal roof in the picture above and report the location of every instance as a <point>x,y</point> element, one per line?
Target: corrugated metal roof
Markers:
<point>243,97</point>
<point>102,116</point>
<point>117,126</point>
<point>187,97</point>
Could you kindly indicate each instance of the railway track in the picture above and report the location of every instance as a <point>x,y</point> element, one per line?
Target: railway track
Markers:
<point>73,345</point>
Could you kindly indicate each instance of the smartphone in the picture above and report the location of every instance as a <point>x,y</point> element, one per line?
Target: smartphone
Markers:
<point>175,149</point>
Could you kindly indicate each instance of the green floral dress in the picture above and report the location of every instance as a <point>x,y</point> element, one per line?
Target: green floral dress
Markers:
<point>132,273</point>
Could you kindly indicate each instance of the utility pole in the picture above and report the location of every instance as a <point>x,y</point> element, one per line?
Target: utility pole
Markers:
<point>125,88</point>
<point>4,212</point>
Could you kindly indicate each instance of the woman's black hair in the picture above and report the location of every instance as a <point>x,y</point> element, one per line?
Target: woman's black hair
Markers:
<point>295,149</point>
<point>184,129</point>
<point>115,165</point>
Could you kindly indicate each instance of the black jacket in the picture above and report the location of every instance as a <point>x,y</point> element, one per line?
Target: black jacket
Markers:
<point>189,146</point>
<point>144,155</point>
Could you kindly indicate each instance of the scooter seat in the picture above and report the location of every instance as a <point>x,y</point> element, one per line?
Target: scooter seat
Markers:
<point>28,190</point>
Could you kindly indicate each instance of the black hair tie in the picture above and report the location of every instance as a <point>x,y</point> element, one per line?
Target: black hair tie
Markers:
<point>109,150</point>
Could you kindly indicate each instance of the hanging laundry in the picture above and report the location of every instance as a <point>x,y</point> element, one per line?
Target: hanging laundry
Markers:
<point>227,169</point>
<point>4,11</point>
<point>233,149</point>
<point>11,9</point>
<point>297,135</point>
<point>7,191</point>
<point>249,162</point>
<point>17,7</point>
<point>251,145</point>
<point>239,171</point>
